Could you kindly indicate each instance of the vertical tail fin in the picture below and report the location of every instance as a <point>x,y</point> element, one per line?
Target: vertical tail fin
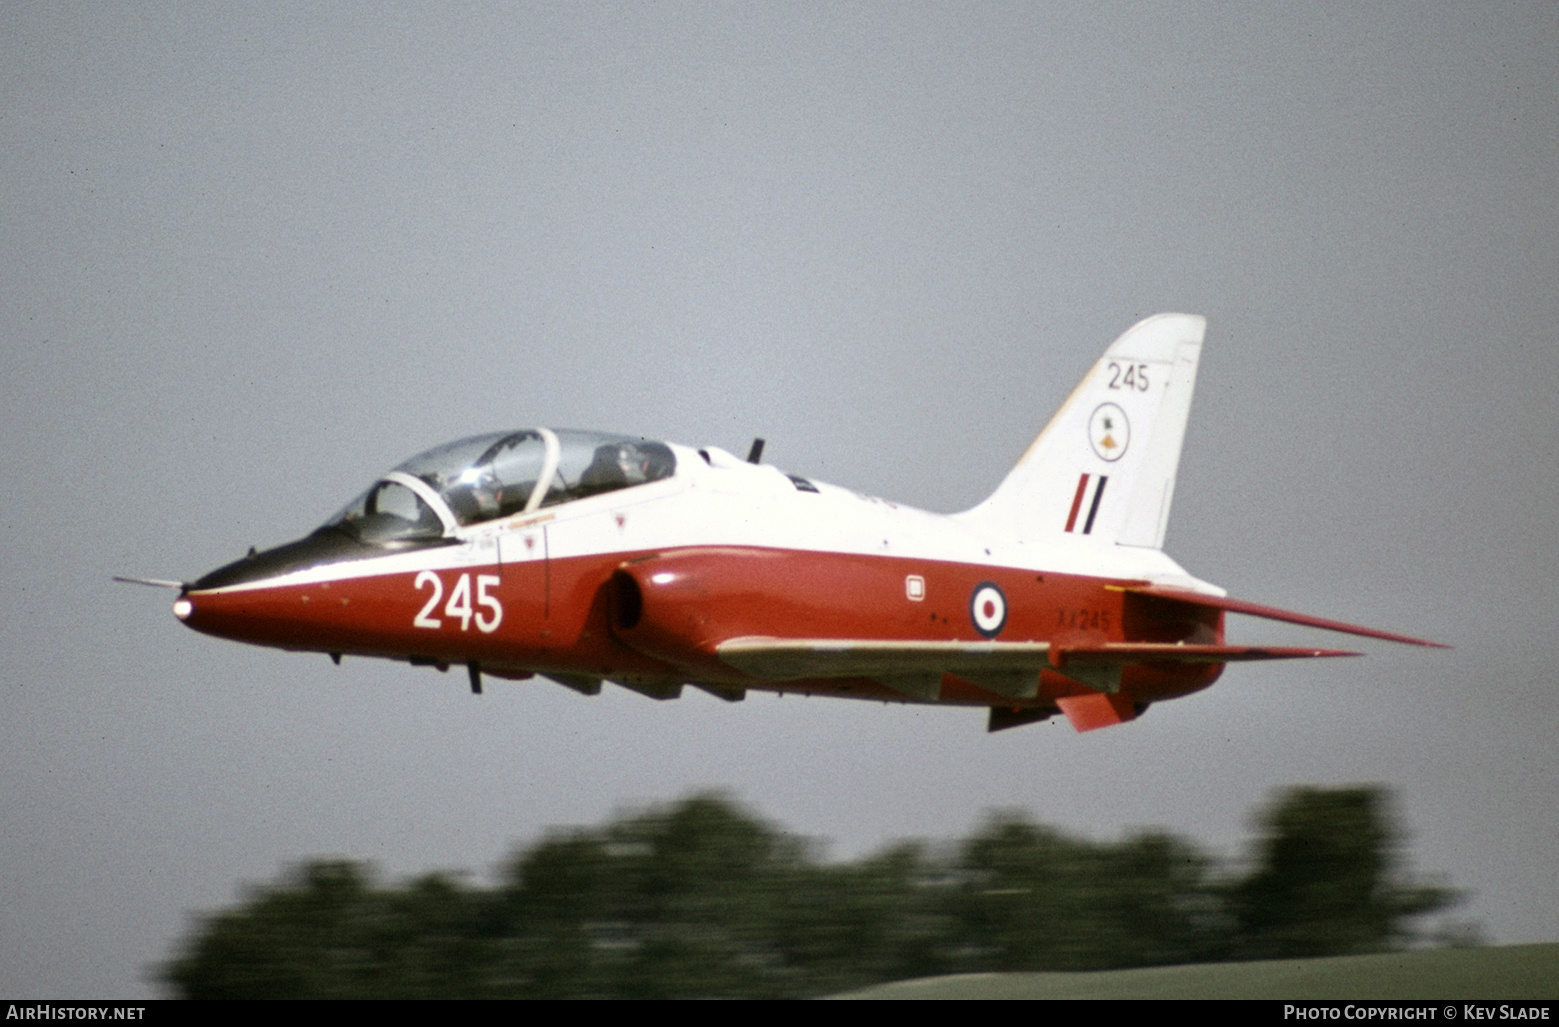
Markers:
<point>1104,467</point>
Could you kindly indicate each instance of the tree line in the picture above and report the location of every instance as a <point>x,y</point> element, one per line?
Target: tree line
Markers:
<point>702,898</point>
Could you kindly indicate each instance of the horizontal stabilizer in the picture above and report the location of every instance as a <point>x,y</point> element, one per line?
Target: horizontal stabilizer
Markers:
<point>1229,605</point>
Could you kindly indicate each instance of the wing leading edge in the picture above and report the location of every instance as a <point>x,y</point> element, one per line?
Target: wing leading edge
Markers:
<point>793,659</point>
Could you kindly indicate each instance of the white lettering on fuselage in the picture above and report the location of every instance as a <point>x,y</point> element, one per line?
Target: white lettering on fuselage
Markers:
<point>488,612</point>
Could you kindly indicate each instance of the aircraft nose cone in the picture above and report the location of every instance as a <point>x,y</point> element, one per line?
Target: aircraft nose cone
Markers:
<point>323,546</point>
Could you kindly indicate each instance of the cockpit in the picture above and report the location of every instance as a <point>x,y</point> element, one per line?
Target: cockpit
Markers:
<point>487,477</point>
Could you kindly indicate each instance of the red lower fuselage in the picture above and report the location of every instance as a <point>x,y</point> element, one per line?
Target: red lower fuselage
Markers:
<point>657,617</point>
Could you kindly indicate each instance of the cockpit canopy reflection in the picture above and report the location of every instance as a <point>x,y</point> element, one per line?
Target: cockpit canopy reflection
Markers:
<point>486,477</point>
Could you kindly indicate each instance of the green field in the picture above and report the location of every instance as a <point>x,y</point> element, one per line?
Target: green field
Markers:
<point>1509,972</point>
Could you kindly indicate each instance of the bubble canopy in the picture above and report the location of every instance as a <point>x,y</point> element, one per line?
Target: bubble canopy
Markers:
<point>486,477</point>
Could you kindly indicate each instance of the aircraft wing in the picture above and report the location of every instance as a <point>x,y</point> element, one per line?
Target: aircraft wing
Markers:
<point>1225,603</point>
<point>1176,652</point>
<point>791,659</point>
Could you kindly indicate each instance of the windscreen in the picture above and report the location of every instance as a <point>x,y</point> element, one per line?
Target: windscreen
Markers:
<point>388,512</point>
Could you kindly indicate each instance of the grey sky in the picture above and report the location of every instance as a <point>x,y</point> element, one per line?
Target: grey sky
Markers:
<point>251,256</point>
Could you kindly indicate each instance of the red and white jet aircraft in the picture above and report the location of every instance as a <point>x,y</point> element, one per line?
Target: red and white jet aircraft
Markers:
<point>587,557</point>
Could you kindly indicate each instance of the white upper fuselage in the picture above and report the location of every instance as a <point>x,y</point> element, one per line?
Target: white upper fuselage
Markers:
<point>716,499</point>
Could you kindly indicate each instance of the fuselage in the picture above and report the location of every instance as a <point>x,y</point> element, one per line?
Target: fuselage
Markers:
<point>641,583</point>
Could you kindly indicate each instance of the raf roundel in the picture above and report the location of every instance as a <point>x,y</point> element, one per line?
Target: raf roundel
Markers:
<point>1109,432</point>
<point>988,609</point>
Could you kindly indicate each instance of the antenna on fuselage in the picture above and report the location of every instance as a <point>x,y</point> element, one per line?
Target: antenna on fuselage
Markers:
<point>756,452</point>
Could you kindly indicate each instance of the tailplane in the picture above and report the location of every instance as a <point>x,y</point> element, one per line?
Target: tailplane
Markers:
<point>1104,467</point>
